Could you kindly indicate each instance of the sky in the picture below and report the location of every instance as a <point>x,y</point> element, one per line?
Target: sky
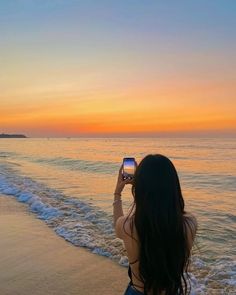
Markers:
<point>118,68</point>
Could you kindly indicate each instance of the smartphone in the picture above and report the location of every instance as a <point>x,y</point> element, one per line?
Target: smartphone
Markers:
<point>129,166</point>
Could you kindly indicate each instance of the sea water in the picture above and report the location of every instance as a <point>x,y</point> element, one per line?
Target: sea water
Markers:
<point>69,183</point>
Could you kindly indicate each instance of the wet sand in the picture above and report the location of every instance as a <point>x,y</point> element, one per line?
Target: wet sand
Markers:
<point>34,260</point>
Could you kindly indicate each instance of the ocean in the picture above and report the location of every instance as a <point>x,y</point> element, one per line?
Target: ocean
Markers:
<point>69,184</point>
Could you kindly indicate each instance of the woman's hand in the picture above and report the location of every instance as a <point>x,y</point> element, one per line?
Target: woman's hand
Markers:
<point>121,182</point>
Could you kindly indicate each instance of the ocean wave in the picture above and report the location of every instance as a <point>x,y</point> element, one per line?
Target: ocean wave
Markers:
<point>7,154</point>
<point>78,222</point>
<point>85,225</point>
<point>217,277</point>
<point>194,179</point>
<point>209,181</point>
<point>79,164</point>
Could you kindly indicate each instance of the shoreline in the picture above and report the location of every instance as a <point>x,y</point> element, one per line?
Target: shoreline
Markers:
<point>34,260</point>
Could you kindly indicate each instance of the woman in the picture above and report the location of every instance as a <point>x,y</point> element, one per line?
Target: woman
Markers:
<point>158,233</point>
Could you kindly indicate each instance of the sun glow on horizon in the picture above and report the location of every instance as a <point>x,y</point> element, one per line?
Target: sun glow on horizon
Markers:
<point>61,79</point>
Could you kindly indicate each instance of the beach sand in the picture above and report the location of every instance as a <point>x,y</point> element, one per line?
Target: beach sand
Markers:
<point>35,261</point>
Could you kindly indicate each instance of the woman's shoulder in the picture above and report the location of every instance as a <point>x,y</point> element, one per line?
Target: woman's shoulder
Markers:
<point>191,220</point>
<point>190,226</point>
<point>125,227</point>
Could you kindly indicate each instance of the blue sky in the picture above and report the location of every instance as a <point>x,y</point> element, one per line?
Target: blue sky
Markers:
<point>118,45</point>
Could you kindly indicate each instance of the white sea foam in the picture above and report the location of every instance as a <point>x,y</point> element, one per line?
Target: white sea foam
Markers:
<point>85,225</point>
<point>124,261</point>
<point>77,221</point>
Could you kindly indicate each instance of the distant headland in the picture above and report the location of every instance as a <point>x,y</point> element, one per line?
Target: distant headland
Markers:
<point>3,135</point>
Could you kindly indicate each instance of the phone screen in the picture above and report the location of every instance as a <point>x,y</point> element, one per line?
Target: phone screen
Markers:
<point>129,166</point>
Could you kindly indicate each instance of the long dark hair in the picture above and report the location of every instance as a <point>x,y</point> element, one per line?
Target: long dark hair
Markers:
<point>159,220</point>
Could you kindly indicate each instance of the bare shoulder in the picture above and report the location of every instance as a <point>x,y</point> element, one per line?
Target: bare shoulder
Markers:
<point>191,227</point>
<point>191,220</point>
<point>123,227</point>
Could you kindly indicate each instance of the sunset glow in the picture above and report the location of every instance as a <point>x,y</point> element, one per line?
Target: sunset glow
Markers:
<point>72,69</point>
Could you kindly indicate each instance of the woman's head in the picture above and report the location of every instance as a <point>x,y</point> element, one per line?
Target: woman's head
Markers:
<point>156,187</point>
<point>158,217</point>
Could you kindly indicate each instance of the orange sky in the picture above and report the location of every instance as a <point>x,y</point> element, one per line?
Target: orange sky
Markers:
<point>167,106</point>
<point>53,84</point>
